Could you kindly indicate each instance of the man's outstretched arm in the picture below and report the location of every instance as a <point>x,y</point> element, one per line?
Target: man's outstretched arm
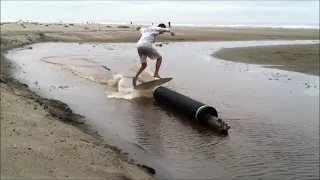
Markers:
<point>162,30</point>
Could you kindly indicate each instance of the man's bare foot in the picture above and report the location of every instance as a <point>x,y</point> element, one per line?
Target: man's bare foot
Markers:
<point>157,76</point>
<point>134,81</point>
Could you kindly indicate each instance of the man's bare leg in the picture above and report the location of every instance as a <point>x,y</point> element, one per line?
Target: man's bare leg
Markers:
<point>158,64</point>
<point>134,79</point>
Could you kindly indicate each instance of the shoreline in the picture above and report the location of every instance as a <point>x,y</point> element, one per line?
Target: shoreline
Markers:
<point>18,36</point>
<point>302,58</point>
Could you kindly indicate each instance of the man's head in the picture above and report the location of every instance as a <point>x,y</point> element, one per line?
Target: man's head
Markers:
<point>162,25</point>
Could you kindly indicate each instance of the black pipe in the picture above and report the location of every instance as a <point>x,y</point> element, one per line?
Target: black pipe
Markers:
<point>193,109</point>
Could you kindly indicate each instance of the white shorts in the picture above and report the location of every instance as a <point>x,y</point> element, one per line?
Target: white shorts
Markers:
<point>147,51</point>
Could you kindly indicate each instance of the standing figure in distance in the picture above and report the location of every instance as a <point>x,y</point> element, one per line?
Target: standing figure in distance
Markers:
<point>145,48</point>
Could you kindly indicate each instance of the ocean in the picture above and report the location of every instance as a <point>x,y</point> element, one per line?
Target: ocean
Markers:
<point>254,13</point>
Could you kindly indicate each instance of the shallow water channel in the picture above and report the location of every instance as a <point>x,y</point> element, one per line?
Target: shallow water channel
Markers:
<point>273,114</point>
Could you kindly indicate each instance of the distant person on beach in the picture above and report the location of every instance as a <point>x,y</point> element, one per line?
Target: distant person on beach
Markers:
<point>145,48</point>
<point>169,23</point>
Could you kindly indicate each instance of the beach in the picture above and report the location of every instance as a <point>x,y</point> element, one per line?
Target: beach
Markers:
<point>45,139</point>
<point>126,33</point>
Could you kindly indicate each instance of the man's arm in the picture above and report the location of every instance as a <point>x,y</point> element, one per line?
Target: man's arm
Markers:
<point>162,30</point>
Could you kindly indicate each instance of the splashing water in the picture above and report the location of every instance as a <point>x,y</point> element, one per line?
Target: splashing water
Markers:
<point>148,72</point>
<point>115,81</point>
<point>126,92</point>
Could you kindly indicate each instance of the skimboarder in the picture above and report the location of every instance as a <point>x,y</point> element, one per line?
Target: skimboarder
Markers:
<point>145,48</point>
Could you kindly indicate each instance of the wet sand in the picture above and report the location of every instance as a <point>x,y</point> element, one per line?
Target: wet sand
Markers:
<point>15,35</point>
<point>299,58</point>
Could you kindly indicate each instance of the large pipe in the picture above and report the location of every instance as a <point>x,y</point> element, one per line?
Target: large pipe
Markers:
<point>193,109</point>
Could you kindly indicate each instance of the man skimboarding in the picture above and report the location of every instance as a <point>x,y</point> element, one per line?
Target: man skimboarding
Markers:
<point>145,48</point>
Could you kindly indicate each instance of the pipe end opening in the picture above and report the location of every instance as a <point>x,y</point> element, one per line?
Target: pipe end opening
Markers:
<point>224,132</point>
<point>203,111</point>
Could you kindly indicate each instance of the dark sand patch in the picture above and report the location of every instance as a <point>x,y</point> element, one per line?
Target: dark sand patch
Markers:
<point>299,58</point>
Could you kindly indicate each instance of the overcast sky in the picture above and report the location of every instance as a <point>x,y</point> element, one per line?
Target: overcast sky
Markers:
<point>190,12</point>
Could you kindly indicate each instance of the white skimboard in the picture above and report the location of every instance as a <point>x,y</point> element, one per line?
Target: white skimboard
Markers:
<point>152,84</point>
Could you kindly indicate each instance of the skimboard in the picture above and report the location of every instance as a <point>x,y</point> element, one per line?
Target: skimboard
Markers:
<point>152,84</point>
